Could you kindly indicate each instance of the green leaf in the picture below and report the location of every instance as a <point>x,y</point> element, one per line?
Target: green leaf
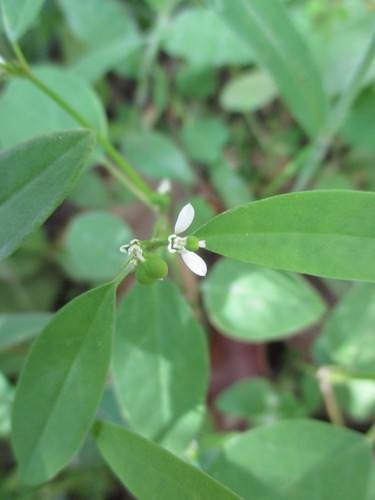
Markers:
<point>91,191</point>
<point>15,328</point>
<point>229,185</point>
<point>160,361</point>
<point>257,400</point>
<point>323,233</point>
<point>25,111</point>
<point>357,129</point>
<point>255,304</point>
<point>35,177</point>
<point>107,31</point>
<point>92,245</point>
<point>205,138</point>
<point>29,259</point>
<point>151,472</point>
<point>339,51</point>
<point>17,16</point>
<point>277,46</point>
<point>296,459</point>
<point>156,155</point>
<point>371,487</point>
<point>202,38</point>
<point>61,385</point>
<point>356,397</point>
<point>39,291</point>
<point>248,92</point>
<point>162,4</point>
<point>195,81</point>
<point>348,336</point>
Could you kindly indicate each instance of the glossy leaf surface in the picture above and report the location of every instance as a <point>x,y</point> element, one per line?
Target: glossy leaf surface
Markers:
<point>268,463</point>
<point>348,336</point>
<point>160,362</point>
<point>62,383</point>
<point>35,178</point>
<point>315,232</point>
<point>256,304</point>
<point>150,472</point>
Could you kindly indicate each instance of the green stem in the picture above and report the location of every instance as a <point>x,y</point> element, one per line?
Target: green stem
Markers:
<point>288,172</point>
<point>135,183</point>
<point>150,56</point>
<point>326,388</point>
<point>335,119</point>
<point>119,175</point>
<point>127,268</point>
<point>258,132</point>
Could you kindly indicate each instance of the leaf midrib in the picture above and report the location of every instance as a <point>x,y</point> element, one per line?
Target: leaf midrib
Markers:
<point>29,183</point>
<point>41,434</point>
<point>309,233</point>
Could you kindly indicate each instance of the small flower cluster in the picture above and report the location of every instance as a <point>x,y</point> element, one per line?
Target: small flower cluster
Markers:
<point>186,246</point>
<point>151,267</point>
<point>135,251</point>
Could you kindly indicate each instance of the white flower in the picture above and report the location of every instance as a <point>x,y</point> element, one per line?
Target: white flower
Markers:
<point>179,244</point>
<point>165,186</point>
<point>134,250</point>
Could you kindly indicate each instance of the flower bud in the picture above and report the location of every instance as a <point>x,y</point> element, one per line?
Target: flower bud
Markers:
<point>192,243</point>
<point>155,267</point>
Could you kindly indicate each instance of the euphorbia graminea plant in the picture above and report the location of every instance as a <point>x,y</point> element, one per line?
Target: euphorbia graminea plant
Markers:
<point>151,341</point>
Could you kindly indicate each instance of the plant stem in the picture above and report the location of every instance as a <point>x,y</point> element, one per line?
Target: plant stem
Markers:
<point>326,388</point>
<point>335,119</point>
<point>150,56</point>
<point>126,269</point>
<point>134,181</point>
<point>119,175</point>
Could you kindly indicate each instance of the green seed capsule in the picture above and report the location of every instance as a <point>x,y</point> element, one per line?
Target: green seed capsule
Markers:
<point>142,277</point>
<point>155,267</point>
<point>192,243</point>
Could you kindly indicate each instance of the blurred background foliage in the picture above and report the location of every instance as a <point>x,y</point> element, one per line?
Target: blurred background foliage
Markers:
<point>181,95</point>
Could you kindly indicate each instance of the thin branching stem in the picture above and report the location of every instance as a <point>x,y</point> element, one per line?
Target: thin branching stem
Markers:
<point>134,182</point>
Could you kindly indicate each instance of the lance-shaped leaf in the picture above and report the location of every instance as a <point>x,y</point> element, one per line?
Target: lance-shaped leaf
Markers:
<point>160,362</point>
<point>323,233</point>
<point>277,46</point>
<point>35,177</point>
<point>17,16</point>
<point>61,385</point>
<point>149,471</point>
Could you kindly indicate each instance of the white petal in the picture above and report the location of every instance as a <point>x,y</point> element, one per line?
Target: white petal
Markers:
<point>195,263</point>
<point>165,186</point>
<point>184,219</point>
